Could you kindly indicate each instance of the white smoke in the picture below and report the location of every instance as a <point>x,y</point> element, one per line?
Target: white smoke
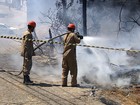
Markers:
<point>96,64</point>
<point>9,48</point>
<point>123,82</point>
<point>10,55</point>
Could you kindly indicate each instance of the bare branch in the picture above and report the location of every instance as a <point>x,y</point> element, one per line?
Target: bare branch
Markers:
<point>136,20</point>
<point>70,4</point>
<point>120,15</point>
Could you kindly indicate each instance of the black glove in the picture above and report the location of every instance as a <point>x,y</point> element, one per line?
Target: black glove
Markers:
<point>79,36</point>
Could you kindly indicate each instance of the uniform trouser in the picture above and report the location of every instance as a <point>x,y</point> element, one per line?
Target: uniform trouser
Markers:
<point>69,63</point>
<point>27,65</point>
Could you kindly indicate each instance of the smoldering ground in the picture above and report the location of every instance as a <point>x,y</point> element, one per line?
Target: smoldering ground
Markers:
<point>104,67</point>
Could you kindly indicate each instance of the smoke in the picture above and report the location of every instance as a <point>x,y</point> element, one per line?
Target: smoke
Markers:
<point>9,48</point>
<point>105,67</point>
<point>48,68</point>
<point>123,82</point>
<point>94,64</point>
<point>10,54</point>
<point>139,79</point>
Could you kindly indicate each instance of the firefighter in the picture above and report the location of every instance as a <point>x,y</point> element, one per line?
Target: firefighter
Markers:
<point>27,52</point>
<point>69,62</point>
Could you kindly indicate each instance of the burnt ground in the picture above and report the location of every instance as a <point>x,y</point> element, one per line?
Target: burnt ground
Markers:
<point>46,92</point>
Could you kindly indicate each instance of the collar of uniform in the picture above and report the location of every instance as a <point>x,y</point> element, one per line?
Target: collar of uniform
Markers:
<point>70,32</point>
<point>29,31</point>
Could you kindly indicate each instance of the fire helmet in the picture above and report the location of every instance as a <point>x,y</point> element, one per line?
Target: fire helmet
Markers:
<point>32,23</point>
<point>72,26</point>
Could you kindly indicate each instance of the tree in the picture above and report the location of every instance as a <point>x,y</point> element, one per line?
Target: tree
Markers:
<point>62,7</point>
<point>127,22</point>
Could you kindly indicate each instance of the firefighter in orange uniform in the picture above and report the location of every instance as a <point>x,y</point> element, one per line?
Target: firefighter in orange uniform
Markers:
<point>69,62</point>
<point>27,52</point>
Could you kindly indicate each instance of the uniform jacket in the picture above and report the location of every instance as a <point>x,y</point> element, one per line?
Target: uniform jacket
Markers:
<point>27,46</point>
<point>70,38</point>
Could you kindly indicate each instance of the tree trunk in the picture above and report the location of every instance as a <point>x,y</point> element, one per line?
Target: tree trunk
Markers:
<point>85,17</point>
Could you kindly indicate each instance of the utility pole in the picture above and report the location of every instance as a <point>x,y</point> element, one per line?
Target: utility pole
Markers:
<point>85,17</point>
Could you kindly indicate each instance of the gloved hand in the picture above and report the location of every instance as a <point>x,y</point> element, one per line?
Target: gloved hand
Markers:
<point>79,36</point>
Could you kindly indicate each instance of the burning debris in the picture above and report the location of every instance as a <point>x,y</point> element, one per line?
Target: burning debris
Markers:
<point>94,89</point>
<point>133,75</point>
<point>121,73</point>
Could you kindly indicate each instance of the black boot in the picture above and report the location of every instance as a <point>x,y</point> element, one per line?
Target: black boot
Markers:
<point>27,80</point>
<point>64,82</point>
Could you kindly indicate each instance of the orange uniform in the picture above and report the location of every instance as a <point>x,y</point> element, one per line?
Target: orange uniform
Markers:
<point>69,62</point>
<point>27,52</point>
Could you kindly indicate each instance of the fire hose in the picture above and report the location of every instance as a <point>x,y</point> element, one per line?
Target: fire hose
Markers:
<point>49,41</point>
<point>80,36</point>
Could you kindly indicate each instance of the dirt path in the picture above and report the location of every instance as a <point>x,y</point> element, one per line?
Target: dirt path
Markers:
<point>42,93</point>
